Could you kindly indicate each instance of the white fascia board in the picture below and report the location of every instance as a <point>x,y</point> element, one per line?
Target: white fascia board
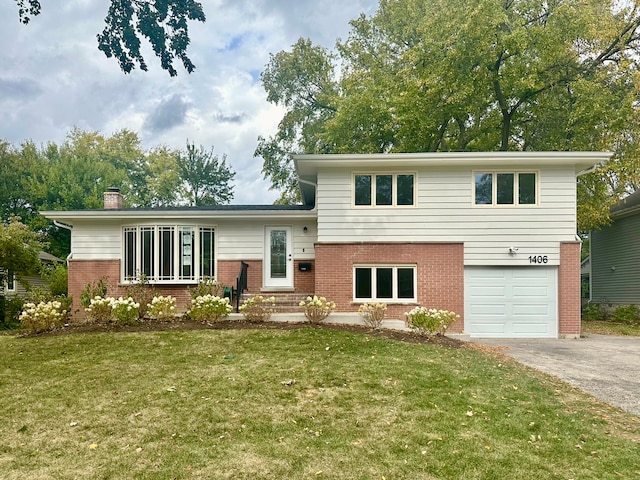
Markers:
<point>307,165</point>
<point>104,215</point>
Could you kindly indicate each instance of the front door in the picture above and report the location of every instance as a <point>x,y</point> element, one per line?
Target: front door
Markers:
<point>278,258</point>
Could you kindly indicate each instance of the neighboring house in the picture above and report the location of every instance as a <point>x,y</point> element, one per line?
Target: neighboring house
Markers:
<point>491,236</point>
<point>15,288</point>
<point>615,256</point>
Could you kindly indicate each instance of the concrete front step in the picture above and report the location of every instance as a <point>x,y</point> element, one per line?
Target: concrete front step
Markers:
<point>286,302</point>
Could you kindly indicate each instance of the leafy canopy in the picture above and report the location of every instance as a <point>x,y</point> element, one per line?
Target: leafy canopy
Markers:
<point>205,177</point>
<point>458,75</point>
<point>164,23</point>
<point>19,249</point>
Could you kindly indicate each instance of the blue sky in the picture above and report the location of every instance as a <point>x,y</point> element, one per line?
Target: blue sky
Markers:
<point>54,78</point>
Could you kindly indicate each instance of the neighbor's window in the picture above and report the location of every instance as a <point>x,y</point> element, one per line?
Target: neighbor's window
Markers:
<point>168,253</point>
<point>384,283</point>
<point>11,282</point>
<point>384,189</point>
<point>505,188</point>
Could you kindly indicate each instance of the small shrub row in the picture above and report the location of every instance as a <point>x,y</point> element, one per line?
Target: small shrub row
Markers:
<point>121,311</point>
<point>43,316</point>
<point>629,314</point>
<point>317,308</point>
<point>430,321</point>
<point>258,308</point>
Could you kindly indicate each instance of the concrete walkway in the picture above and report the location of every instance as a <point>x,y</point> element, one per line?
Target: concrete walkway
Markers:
<point>606,366</point>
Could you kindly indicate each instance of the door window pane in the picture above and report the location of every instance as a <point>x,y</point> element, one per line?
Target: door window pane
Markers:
<point>527,188</point>
<point>505,188</point>
<point>484,188</point>
<point>363,283</point>
<point>384,189</point>
<point>405,189</point>
<point>363,189</point>
<point>384,283</point>
<point>278,254</point>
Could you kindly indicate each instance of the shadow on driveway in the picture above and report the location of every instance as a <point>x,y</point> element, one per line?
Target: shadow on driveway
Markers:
<point>606,366</point>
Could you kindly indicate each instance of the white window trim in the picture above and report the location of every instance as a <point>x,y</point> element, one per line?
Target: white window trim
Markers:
<point>494,189</point>
<point>394,199</point>
<point>11,286</point>
<point>177,228</point>
<point>394,279</point>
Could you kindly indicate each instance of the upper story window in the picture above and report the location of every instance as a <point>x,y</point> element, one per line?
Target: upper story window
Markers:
<point>505,188</point>
<point>384,189</point>
<point>168,253</point>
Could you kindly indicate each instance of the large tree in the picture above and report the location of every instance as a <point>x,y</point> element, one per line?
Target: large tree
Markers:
<point>164,23</point>
<point>459,75</point>
<point>205,177</point>
<point>19,250</point>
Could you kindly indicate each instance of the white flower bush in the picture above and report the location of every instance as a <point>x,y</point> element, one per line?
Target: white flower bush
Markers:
<point>162,308</point>
<point>430,321</point>
<point>317,308</point>
<point>373,313</point>
<point>43,316</point>
<point>209,308</point>
<point>258,308</point>
<point>99,309</point>
<point>124,310</point>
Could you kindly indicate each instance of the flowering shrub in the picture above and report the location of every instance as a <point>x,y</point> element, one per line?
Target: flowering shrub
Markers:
<point>162,308</point>
<point>258,308</point>
<point>373,313</point>
<point>317,308</point>
<point>42,316</point>
<point>99,309</point>
<point>207,286</point>
<point>430,321</point>
<point>124,310</point>
<point>209,308</point>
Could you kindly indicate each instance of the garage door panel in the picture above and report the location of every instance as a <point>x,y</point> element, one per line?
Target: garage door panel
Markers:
<point>511,301</point>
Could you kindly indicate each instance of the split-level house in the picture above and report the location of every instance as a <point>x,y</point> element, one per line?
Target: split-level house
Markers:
<point>491,236</point>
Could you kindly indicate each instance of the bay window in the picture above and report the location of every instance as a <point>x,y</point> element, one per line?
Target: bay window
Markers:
<point>168,253</point>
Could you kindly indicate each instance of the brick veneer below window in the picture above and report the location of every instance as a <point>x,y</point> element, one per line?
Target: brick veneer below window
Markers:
<point>440,272</point>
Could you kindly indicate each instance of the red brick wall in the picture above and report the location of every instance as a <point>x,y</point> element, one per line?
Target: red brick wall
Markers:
<point>228,270</point>
<point>440,274</point>
<point>569,289</point>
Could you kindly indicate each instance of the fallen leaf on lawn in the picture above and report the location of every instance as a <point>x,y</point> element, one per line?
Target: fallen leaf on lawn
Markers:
<point>139,449</point>
<point>73,424</point>
<point>93,446</point>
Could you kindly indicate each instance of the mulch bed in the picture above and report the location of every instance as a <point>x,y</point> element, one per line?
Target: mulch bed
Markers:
<point>403,336</point>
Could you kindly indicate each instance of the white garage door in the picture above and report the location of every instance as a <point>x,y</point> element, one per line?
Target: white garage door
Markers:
<point>511,302</point>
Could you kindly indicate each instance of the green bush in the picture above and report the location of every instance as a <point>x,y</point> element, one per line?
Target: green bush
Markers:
<point>593,311</point>
<point>10,309</point>
<point>125,311</point>
<point>99,309</point>
<point>627,314</point>
<point>142,293</point>
<point>93,290</point>
<point>207,286</point>
<point>57,278</point>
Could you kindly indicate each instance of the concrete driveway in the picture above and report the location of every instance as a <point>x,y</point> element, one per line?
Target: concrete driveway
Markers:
<point>606,366</point>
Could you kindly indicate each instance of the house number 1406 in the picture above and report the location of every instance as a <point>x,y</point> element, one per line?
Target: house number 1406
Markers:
<point>538,259</point>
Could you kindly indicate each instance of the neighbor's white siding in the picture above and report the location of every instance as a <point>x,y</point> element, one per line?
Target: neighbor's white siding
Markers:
<point>445,212</point>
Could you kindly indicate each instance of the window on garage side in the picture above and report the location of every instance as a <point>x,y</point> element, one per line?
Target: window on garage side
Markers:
<point>505,188</point>
<point>385,283</point>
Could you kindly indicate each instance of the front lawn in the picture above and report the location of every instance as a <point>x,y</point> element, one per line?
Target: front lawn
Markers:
<point>608,327</point>
<point>294,404</point>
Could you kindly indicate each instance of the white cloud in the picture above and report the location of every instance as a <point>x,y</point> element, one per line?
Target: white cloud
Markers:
<point>54,78</point>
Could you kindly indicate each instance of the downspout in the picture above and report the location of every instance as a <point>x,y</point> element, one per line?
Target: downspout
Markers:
<point>66,227</point>
<point>315,185</point>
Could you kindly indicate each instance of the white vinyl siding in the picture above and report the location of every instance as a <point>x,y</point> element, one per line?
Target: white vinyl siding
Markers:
<point>446,213</point>
<point>236,239</point>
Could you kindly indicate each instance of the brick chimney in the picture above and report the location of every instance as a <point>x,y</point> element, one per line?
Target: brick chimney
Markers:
<point>113,199</point>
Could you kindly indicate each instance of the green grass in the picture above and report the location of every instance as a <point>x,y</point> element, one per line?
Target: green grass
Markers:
<point>294,404</point>
<point>606,327</point>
